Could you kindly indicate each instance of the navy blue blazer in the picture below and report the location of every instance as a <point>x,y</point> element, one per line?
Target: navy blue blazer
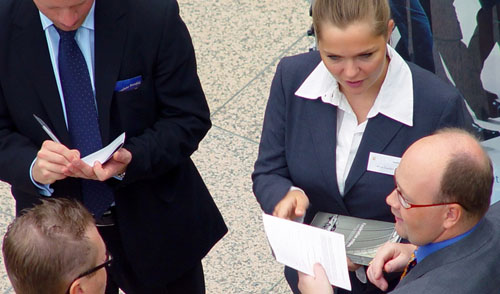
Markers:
<point>298,142</point>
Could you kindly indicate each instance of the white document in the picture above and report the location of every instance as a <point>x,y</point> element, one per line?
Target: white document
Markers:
<point>105,153</point>
<point>381,163</point>
<point>300,246</point>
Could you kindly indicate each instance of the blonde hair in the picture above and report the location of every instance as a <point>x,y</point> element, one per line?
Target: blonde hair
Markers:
<point>342,13</point>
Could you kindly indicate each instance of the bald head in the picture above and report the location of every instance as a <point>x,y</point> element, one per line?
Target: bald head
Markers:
<point>455,164</point>
<point>443,187</point>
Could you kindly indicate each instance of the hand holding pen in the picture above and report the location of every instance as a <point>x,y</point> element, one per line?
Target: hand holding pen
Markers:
<point>54,160</point>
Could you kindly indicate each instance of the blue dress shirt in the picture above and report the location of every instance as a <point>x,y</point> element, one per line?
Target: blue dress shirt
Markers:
<point>426,250</point>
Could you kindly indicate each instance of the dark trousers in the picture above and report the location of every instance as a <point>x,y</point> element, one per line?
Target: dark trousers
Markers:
<point>121,274</point>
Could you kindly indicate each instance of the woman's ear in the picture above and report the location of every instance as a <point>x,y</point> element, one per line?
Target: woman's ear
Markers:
<point>390,28</point>
<point>76,288</point>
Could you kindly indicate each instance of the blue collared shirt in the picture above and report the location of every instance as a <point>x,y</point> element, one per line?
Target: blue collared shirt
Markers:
<point>85,39</point>
<point>426,250</point>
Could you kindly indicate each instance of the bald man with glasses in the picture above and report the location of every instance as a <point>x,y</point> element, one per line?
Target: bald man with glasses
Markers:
<point>55,248</point>
<point>442,192</point>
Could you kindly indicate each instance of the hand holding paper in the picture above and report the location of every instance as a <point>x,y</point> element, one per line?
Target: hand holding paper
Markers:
<point>56,162</point>
<point>301,246</point>
<point>105,153</point>
<point>317,284</point>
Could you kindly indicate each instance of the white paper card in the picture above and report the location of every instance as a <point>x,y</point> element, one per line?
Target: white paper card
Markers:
<point>381,163</point>
<point>105,153</point>
<point>300,246</point>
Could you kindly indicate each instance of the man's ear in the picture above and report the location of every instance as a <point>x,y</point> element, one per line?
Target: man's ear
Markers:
<point>454,213</point>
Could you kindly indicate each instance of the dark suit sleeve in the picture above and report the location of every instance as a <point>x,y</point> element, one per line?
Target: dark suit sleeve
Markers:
<point>271,179</point>
<point>181,108</point>
<point>17,152</point>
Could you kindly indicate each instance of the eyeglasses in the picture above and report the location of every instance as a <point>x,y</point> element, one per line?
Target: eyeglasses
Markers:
<point>107,264</point>
<point>405,204</point>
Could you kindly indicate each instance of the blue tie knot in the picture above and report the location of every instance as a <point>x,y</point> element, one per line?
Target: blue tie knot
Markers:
<point>66,35</point>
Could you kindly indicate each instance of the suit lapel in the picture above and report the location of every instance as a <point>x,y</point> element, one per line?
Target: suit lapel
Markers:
<point>30,42</point>
<point>379,132</point>
<point>110,35</point>
<point>322,124</point>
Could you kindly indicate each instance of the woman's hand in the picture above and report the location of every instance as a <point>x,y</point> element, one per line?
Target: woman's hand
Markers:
<point>292,206</point>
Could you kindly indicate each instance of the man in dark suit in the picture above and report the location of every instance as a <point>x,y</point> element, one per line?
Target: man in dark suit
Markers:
<point>443,188</point>
<point>136,60</point>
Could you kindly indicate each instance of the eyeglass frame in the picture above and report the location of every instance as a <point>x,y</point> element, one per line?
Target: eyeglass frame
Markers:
<point>106,264</point>
<point>407,205</point>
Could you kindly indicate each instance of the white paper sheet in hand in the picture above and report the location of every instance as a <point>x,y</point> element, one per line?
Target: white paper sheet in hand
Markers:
<point>300,246</point>
<point>105,153</point>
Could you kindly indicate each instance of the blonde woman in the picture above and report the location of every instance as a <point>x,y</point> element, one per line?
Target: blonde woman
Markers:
<point>331,111</point>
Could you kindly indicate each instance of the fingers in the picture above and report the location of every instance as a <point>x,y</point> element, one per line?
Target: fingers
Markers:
<point>292,206</point>
<point>53,162</point>
<point>123,155</point>
<point>376,277</point>
<point>317,284</point>
<point>79,169</point>
<point>375,270</point>
<point>402,256</point>
<point>319,271</point>
<point>391,257</point>
<point>101,172</point>
<point>302,202</point>
<point>117,164</point>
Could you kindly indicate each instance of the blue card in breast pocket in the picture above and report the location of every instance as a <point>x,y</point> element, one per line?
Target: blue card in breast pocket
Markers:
<point>128,84</point>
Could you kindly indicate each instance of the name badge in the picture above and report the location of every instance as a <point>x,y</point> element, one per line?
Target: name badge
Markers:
<point>381,163</point>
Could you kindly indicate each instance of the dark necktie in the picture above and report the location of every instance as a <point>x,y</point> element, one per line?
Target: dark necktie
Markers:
<point>81,112</point>
<point>411,264</point>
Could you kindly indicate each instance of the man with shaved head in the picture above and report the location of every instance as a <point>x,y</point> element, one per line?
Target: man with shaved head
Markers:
<point>442,192</point>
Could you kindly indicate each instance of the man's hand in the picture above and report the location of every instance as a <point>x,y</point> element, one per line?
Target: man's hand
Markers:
<point>115,165</point>
<point>318,284</point>
<point>292,206</point>
<point>52,162</point>
<point>391,257</point>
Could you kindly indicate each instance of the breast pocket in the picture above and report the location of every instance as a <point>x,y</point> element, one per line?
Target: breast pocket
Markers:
<point>134,107</point>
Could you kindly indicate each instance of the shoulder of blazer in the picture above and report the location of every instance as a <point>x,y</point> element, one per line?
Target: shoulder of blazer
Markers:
<point>494,212</point>
<point>430,84</point>
<point>297,68</point>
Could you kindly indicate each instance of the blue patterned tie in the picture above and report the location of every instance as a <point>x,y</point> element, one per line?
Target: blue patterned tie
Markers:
<point>82,116</point>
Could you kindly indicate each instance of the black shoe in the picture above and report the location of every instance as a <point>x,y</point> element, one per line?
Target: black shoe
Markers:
<point>493,105</point>
<point>485,134</point>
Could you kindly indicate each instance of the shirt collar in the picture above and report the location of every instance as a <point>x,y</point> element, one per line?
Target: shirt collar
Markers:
<point>426,250</point>
<point>394,100</point>
<point>88,23</point>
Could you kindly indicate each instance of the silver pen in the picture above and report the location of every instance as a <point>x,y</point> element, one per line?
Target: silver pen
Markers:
<point>46,128</point>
